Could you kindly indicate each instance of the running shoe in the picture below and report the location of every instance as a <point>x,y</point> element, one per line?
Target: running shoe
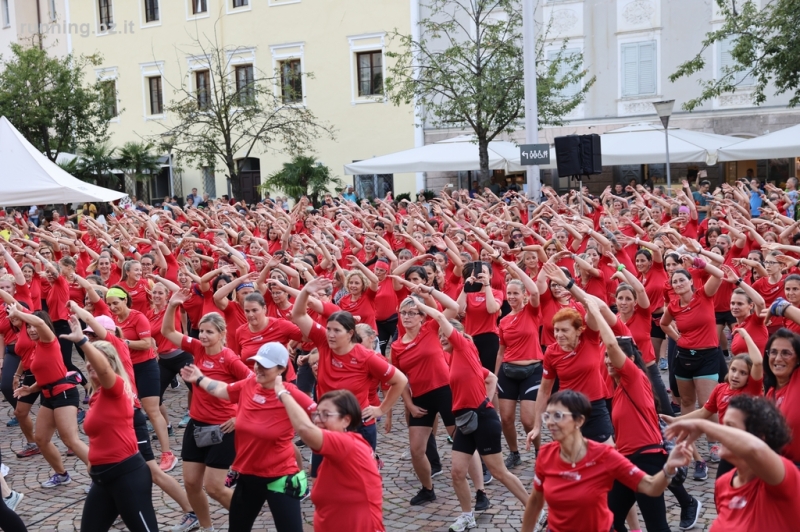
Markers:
<point>481,501</point>
<point>13,500</point>
<point>168,462</point>
<point>174,383</point>
<point>700,470</point>
<point>662,364</point>
<point>57,480</point>
<point>231,478</point>
<point>70,452</point>
<point>184,421</point>
<point>513,459</point>
<point>4,470</point>
<point>690,514</point>
<point>406,455</point>
<point>424,495</point>
<point>299,443</point>
<point>714,453</point>
<point>88,488</point>
<point>379,462</point>
<point>86,398</point>
<point>13,422</point>
<point>676,409</point>
<point>170,433</point>
<point>81,416</point>
<point>464,522</point>
<point>487,476</point>
<point>30,449</point>
<point>450,440</point>
<point>188,522</point>
<point>150,428</point>
<point>436,471</point>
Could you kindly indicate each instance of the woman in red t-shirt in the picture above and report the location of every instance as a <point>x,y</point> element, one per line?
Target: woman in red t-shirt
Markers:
<point>122,483</point>
<point>651,273</point>
<point>572,468</point>
<point>261,421</point>
<point>481,310</point>
<point>362,286</point>
<point>207,467</point>
<point>60,398</point>
<point>761,492</point>
<point>553,298</point>
<point>229,300</point>
<point>746,305</point>
<point>136,286</point>
<point>348,493</point>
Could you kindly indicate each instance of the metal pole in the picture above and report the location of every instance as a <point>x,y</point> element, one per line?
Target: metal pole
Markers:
<point>171,183</point>
<point>666,141</point>
<point>531,107</point>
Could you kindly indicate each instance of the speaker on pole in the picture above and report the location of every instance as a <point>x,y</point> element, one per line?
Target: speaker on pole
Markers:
<point>578,155</point>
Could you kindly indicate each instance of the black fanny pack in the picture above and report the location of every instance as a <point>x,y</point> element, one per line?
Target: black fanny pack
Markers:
<point>517,372</point>
<point>694,354</point>
<point>73,377</point>
<point>105,474</point>
<point>467,422</point>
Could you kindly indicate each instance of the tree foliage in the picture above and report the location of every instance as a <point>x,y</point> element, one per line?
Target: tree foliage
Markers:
<point>137,160</point>
<point>228,122</point>
<point>48,101</point>
<point>302,176</point>
<point>466,70</point>
<point>765,44</point>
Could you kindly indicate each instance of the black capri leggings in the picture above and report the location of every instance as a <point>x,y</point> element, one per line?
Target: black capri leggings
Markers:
<point>386,329</point>
<point>488,345</point>
<point>122,489</point>
<point>9,520</point>
<point>62,327</point>
<point>621,498</point>
<point>248,498</point>
<point>169,367</point>
<point>7,384</point>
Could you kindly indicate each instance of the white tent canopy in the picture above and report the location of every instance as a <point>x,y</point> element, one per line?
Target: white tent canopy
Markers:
<point>459,154</point>
<point>644,144</point>
<point>27,177</point>
<point>775,145</point>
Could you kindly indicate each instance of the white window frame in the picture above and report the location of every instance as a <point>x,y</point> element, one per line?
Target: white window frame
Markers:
<point>143,24</point>
<point>720,48</point>
<point>149,70</point>
<point>6,8</point>
<point>111,74</point>
<point>638,105</point>
<point>638,95</point>
<point>230,10</point>
<point>278,3</point>
<point>194,64</point>
<point>97,18</point>
<point>286,52</point>
<point>239,57</point>
<point>364,43</point>
<point>192,16</point>
<point>551,53</point>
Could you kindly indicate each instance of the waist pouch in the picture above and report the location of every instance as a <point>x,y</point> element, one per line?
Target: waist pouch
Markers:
<point>207,436</point>
<point>467,422</point>
<point>696,353</point>
<point>105,474</point>
<point>73,377</point>
<point>519,373</point>
<point>294,486</point>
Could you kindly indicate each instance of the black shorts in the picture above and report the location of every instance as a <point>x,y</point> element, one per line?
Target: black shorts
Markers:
<point>486,439</point>
<point>219,456</point>
<point>27,380</point>
<point>168,368</point>
<point>697,364</point>
<point>655,327</point>
<point>724,318</point>
<point>69,397</point>
<point>142,435</point>
<point>519,390</point>
<point>439,400</point>
<point>598,427</point>
<point>148,378</point>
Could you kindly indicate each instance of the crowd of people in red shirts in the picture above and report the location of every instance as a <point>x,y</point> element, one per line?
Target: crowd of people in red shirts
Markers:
<point>306,327</point>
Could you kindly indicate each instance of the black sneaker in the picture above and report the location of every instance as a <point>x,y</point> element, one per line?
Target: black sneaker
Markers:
<point>424,495</point>
<point>481,501</point>
<point>436,471</point>
<point>690,514</point>
<point>513,459</point>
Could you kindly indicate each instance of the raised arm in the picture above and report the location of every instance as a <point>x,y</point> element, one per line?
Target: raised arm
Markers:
<point>168,325</point>
<point>300,315</point>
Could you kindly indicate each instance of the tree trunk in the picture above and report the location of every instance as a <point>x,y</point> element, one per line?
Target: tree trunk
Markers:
<point>484,174</point>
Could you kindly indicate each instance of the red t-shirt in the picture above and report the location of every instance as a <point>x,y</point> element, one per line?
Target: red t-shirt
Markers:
<point>633,411</point>
<point>519,333</point>
<point>163,346</point>
<point>348,493</point>
<point>578,370</point>
<point>136,327</point>
<point>262,422</point>
<point>47,366</point>
<point>787,399</point>
<point>225,366</point>
<point>328,309</point>
<point>101,309</point>
<point>588,482</point>
<point>140,296</point>
<point>23,295</point>
<point>478,320</point>
<point>695,321</point>
<point>363,307</point>
<point>723,393</point>
<point>385,300</point>
<point>194,307</point>
<point>109,425</point>
<point>356,370</point>
<point>467,375</point>
<point>125,356</point>
<point>57,299</point>
<point>77,293</point>
<point>8,332</point>
<point>247,342</point>
<point>639,325</point>
<point>234,318</point>
<point>753,324</point>
<point>25,348</point>
<point>549,306</point>
<point>422,360</point>
<point>770,292</point>
<point>654,281</point>
<point>757,506</point>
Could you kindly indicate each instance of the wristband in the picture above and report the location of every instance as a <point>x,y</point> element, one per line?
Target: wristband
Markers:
<point>699,263</point>
<point>738,281</point>
<point>200,378</point>
<point>620,267</point>
<point>779,307</point>
<point>570,284</point>
<point>132,249</point>
<point>669,477</point>
<point>83,341</point>
<point>282,392</point>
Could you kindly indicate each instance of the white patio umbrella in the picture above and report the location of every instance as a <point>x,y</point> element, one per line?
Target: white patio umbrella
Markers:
<point>644,144</point>
<point>775,145</point>
<point>459,154</point>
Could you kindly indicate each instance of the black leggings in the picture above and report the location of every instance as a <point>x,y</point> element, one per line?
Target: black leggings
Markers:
<point>386,329</point>
<point>9,520</point>
<point>169,367</point>
<point>659,390</point>
<point>129,496</point>
<point>621,498</point>
<point>62,327</point>
<point>488,345</point>
<point>7,384</point>
<point>248,498</point>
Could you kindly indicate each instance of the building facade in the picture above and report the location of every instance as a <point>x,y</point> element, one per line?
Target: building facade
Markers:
<point>35,22</point>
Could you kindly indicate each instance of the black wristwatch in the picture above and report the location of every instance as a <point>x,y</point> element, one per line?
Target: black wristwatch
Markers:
<point>200,378</point>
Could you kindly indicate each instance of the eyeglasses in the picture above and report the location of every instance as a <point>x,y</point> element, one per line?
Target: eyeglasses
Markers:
<point>558,416</point>
<point>770,263</point>
<point>408,313</point>
<point>783,353</point>
<point>324,415</point>
<point>516,237</point>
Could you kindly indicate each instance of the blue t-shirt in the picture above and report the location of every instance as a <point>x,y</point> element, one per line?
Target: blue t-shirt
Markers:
<point>701,201</point>
<point>755,203</point>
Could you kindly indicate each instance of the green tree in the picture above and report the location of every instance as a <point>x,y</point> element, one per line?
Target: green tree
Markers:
<point>48,101</point>
<point>97,162</point>
<point>236,115</point>
<point>764,46</point>
<point>302,176</point>
<point>138,163</point>
<point>466,70</point>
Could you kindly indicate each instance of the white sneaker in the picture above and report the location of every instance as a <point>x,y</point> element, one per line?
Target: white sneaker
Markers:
<point>13,500</point>
<point>406,455</point>
<point>464,522</point>
<point>188,522</point>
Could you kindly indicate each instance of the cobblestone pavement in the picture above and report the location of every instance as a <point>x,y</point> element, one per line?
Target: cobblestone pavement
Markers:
<point>60,509</point>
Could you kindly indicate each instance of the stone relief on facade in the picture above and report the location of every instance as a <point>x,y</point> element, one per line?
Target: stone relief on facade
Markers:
<point>638,12</point>
<point>737,99</point>
<point>563,20</point>
<point>637,108</point>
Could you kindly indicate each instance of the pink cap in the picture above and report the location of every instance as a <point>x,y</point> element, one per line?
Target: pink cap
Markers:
<point>106,322</point>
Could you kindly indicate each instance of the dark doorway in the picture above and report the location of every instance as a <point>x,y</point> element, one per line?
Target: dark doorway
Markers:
<point>249,180</point>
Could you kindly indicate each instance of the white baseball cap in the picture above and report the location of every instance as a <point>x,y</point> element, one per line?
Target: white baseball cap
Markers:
<point>271,354</point>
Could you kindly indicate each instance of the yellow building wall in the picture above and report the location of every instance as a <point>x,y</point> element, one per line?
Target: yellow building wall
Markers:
<point>325,29</point>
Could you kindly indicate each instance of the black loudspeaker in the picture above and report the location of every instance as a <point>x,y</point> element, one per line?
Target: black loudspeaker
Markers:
<point>578,155</point>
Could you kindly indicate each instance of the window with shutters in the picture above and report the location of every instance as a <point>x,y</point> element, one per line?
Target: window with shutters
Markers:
<point>202,83</point>
<point>151,11</point>
<point>638,65</point>
<point>564,70</point>
<point>156,95</point>
<point>725,61</point>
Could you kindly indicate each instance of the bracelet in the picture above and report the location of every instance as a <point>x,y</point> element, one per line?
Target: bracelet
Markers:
<point>83,341</point>
<point>620,267</point>
<point>738,281</point>
<point>229,255</point>
<point>669,477</point>
<point>699,263</point>
<point>200,378</point>
<point>282,392</point>
<point>570,284</point>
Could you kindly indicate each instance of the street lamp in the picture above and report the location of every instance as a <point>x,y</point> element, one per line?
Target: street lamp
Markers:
<point>664,111</point>
<point>168,139</point>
